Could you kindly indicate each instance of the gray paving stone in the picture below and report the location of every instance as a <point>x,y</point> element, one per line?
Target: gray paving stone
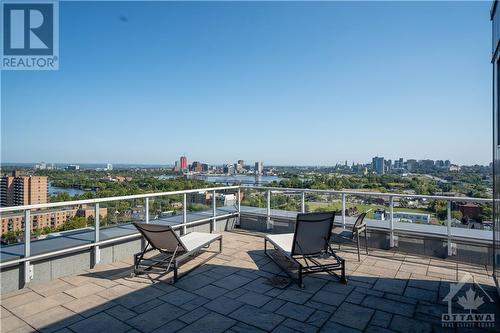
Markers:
<point>402,299</point>
<point>223,305</point>
<point>121,312</point>
<point>164,286</point>
<point>53,319</point>
<point>318,318</point>
<point>390,306</point>
<point>194,315</point>
<point>194,303</point>
<point>193,282</point>
<point>170,327</point>
<point>178,297</point>
<point>434,310</point>
<point>254,299</point>
<point>406,325</point>
<point>257,317</point>
<point>147,305</point>
<point>284,329</point>
<point>211,291</point>
<point>352,315</point>
<point>274,292</point>
<point>244,328</point>
<point>273,305</point>
<point>101,322</point>
<point>328,298</point>
<point>377,329</point>
<point>231,282</point>
<point>138,297</point>
<point>421,294</point>
<point>295,311</point>
<point>338,288</point>
<point>236,292</point>
<point>321,306</point>
<point>259,286</point>
<point>371,292</point>
<point>211,323</point>
<point>425,284</point>
<point>393,286</point>
<point>312,285</point>
<point>295,296</point>
<point>154,318</point>
<point>355,297</point>
<point>382,319</point>
<point>223,270</point>
<point>331,326</point>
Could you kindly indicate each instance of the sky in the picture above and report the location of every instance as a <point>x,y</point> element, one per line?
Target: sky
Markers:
<point>283,83</point>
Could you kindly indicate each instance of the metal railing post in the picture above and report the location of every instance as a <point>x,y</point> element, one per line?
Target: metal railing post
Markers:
<point>214,210</point>
<point>391,207</point>
<point>303,202</point>
<point>239,205</point>
<point>184,214</point>
<point>97,250</point>
<point>448,228</point>
<point>28,273</point>
<point>146,207</point>
<point>343,210</point>
<point>268,210</point>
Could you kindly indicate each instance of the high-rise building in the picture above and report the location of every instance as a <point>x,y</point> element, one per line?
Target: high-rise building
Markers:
<point>177,166</point>
<point>196,167</point>
<point>19,190</point>
<point>109,166</point>
<point>378,165</point>
<point>259,167</point>
<point>411,165</point>
<point>184,162</point>
<point>73,167</point>
<point>204,167</point>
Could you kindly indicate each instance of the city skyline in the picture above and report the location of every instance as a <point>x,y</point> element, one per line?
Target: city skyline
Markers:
<point>290,84</point>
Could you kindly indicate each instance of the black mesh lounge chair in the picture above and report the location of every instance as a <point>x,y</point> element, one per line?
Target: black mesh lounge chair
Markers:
<point>173,249</point>
<point>353,235</point>
<point>302,251</point>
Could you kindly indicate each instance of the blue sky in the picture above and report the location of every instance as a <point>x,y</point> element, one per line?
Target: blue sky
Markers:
<point>285,83</point>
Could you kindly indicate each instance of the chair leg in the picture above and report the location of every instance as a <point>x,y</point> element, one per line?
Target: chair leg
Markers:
<point>357,245</point>
<point>342,277</point>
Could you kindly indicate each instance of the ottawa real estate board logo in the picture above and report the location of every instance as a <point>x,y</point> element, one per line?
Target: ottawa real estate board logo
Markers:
<point>30,35</point>
<point>467,306</point>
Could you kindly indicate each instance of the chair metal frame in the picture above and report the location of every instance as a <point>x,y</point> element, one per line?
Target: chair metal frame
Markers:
<point>358,227</point>
<point>311,264</point>
<point>171,260</point>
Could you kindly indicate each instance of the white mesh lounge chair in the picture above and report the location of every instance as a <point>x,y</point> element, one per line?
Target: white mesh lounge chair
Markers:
<point>309,243</point>
<point>173,249</point>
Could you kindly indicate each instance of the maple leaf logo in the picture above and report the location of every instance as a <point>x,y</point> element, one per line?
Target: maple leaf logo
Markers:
<point>470,301</point>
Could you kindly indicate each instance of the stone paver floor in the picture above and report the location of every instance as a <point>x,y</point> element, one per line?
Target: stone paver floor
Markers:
<point>388,291</point>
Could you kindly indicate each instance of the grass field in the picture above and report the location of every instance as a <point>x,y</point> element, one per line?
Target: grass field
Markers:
<point>337,205</point>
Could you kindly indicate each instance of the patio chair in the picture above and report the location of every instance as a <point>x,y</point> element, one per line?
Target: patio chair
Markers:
<point>306,246</point>
<point>173,249</point>
<point>353,235</point>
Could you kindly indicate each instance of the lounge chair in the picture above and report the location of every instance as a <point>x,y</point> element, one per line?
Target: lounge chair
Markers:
<point>173,249</point>
<point>303,248</point>
<point>353,235</point>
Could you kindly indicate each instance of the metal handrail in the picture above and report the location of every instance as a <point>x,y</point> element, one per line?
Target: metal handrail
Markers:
<point>374,194</point>
<point>108,199</point>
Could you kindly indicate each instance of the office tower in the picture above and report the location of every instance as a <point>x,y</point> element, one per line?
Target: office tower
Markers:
<point>196,167</point>
<point>109,166</point>
<point>378,165</point>
<point>184,162</point>
<point>19,190</point>
<point>259,167</point>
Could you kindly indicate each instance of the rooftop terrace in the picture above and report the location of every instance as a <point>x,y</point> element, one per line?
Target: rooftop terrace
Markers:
<point>388,290</point>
